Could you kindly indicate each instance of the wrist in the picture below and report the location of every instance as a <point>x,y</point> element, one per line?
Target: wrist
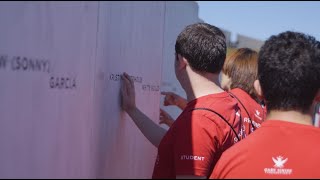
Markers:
<point>181,102</point>
<point>178,101</point>
<point>131,110</point>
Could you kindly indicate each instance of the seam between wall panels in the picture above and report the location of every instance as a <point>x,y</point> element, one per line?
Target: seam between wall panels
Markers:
<point>93,93</point>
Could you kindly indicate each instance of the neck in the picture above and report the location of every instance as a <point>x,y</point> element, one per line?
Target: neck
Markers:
<point>290,116</point>
<point>199,85</point>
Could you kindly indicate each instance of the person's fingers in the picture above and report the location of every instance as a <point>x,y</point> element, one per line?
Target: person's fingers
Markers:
<point>128,84</point>
<point>125,74</point>
<point>126,78</point>
<point>166,103</point>
<point>123,85</point>
<point>169,95</point>
<point>123,93</point>
<point>169,100</point>
<point>163,113</point>
<point>161,118</point>
<point>131,83</point>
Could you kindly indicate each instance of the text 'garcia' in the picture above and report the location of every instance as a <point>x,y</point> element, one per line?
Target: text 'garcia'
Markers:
<point>62,83</point>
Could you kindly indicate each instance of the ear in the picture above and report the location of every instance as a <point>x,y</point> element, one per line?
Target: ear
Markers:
<point>182,62</point>
<point>258,89</point>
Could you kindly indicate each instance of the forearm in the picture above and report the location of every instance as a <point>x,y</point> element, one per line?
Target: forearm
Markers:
<point>182,103</point>
<point>149,129</point>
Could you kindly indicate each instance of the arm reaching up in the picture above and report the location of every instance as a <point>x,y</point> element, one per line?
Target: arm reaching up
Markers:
<point>174,99</point>
<point>149,129</point>
<point>165,118</point>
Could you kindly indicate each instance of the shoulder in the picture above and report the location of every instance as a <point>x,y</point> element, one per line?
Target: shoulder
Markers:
<point>200,124</point>
<point>243,97</point>
<point>203,116</point>
<point>197,118</point>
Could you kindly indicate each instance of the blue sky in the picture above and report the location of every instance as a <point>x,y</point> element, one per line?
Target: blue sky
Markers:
<point>260,20</point>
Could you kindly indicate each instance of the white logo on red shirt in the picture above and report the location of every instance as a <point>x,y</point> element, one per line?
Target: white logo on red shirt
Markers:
<point>279,162</point>
<point>278,167</point>
<point>257,114</point>
<point>191,157</point>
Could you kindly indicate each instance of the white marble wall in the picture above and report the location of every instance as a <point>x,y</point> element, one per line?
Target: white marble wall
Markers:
<point>59,97</point>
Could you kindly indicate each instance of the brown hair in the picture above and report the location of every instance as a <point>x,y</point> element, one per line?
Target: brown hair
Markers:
<point>204,47</point>
<point>242,68</point>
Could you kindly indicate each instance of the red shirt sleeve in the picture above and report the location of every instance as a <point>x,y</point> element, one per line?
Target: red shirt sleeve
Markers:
<point>221,168</point>
<point>232,162</point>
<point>196,143</point>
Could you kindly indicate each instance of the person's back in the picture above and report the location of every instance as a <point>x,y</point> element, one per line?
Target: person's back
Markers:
<point>237,77</point>
<point>286,145</point>
<point>238,74</point>
<point>198,137</point>
<point>192,146</point>
<point>278,149</point>
<point>253,113</point>
<point>209,124</point>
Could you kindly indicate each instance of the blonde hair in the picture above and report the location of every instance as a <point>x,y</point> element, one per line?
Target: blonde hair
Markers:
<point>242,68</point>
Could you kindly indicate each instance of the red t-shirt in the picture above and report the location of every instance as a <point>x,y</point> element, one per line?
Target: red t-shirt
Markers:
<point>278,149</point>
<point>250,110</point>
<point>316,120</point>
<point>196,140</point>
